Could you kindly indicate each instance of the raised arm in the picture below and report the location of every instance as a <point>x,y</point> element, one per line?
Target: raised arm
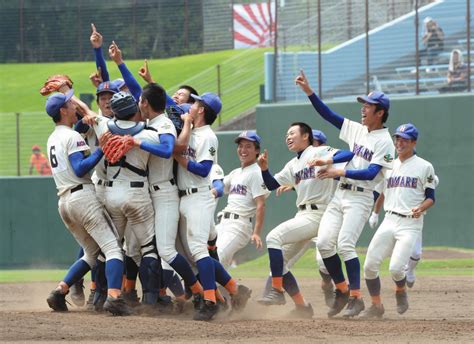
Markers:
<point>96,41</point>
<point>325,112</point>
<point>132,83</point>
<point>270,181</point>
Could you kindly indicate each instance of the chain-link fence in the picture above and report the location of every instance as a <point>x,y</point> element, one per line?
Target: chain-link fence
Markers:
<point>346,47</point>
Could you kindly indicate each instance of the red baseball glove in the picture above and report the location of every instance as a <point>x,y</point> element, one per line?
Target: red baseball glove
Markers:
<point>116,147</point>
<point>54,83</point>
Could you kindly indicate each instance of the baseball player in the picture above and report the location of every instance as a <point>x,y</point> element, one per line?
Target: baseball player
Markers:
<point>351,205</point>
<point>313,195</point>
<point>195,154</point>
<point>319,139</point>
<point>409,191</point>
<point>247,194</point>
<point>163,188</point>
<point>81,211</point>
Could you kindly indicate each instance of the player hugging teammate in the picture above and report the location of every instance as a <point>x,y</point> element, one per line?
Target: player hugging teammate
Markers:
<point>138,182</point>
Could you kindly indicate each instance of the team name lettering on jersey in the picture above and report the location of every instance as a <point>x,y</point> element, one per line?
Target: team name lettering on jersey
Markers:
<point>305,173</point>
<point>238,189</point>
<point>363,152</point>
<point>190,152</point>
<point>402,182</point>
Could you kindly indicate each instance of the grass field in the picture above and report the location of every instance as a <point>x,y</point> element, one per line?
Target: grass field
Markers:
<point>306,266</point>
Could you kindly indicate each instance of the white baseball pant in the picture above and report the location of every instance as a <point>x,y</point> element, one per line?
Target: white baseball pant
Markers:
<point>90,224</point>
<point>342,223</point>
<point>396,236</point>
<point>232,236</point>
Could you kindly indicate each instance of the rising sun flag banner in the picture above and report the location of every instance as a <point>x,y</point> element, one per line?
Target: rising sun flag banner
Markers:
<point>254,25</point>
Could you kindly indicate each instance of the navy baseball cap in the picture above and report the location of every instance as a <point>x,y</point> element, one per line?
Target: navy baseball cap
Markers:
<point>375,97</point>
<point>106,86</point>
<point>407,131</point>
<point>248,135</point>
<point>319,135</point>
<point>210,99</point>
<point>55,102</point>
<point>117,84</point>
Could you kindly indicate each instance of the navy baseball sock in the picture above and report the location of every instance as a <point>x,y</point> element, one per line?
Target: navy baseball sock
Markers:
<point>150,278</point>
<point>401,284</point>
<point>353,273</point>
<point>113,271</point>
<point>222,276</point>
<point>373,285</point>
<point>93,273</point>
<point>166,276</point>
<point>334,267</point>
<point>131,268</point>
<point>181,266</point>
<point>176,286</point>
<point>76,272</point>
<point>207,277</point>
<point>276,262</point>
<point>290,284</point>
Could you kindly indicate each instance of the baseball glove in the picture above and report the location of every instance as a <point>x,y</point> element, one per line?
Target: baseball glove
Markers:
<point>116,147</point>
<point>54,83</point>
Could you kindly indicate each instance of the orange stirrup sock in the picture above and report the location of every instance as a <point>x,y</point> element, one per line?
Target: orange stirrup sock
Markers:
<point>163,292</point>
<point>124,281</point>
<point>231,287</point>
<point>298,299</point>
<point>219,296</point>
<point>277,283</point>
<point>130,285</point>
<point>400,289</point>
<point>376,300</point>
<point>342,286</point>
<point>210,295</point>
<point>114,292</point>
<point>196,288</point>
<point>355,293</point>
<point>93,285</point>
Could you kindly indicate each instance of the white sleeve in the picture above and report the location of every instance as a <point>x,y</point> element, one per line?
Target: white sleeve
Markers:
<point>257,186</point>
<point>227,180</point>
<point>285,177</point>
<point>430,179</point>
<point>217,173</point>
<point>349,131</point>
<point>166,127</point>
<point>207,150</point>
<point>76,143</point>
<point>384,153</point>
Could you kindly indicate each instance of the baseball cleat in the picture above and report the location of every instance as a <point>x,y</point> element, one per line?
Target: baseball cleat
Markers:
<point>239,300</point>
<point>374,311</point>
<point>99,300</point>
<point>165,304</point>
<point>354,307</point>
<point>328,291</point>
<point>274,297</point>
<point>77,293</point>
<point>206,311</point>
<point>178,306</point>
<point>90,301</point>
<point>302,311</point>
<point>410,284</point>
<point>57,301</point>
<point>340,301</point>
<point>117,306</point>
<point>197,301</point>
<point>131,298</point>
<point>402,301</point>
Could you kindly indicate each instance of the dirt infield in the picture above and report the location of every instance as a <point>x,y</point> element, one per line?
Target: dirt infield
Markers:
<point>441,310</point>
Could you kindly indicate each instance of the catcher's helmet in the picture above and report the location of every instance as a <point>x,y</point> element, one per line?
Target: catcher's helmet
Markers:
<point>123,105</point>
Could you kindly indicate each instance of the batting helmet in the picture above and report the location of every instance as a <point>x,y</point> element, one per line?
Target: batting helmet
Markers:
<point>123,105</point>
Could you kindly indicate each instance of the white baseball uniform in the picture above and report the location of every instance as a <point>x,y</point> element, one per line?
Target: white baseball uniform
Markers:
<point>80,210</point>
<point>350,208</point>
<point>127,198</point>
<point>235,229</point>
<point>404,190</point>
<point>217,173</point>
<point>197,204</point>
<point>313,195</point>
<point>164,194</point>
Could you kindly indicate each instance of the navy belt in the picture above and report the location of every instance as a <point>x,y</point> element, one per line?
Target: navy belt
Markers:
<point>156,187</point>
<point>132,184</point>
<point>228,215</point>
<point>308,207</point>
<point>401,215</point>
<point>346,186</point>
<point>191,191</point>
<point>77,188</point>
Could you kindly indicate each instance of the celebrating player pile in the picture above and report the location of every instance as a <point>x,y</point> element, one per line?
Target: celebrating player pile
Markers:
<point>151,199</point>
